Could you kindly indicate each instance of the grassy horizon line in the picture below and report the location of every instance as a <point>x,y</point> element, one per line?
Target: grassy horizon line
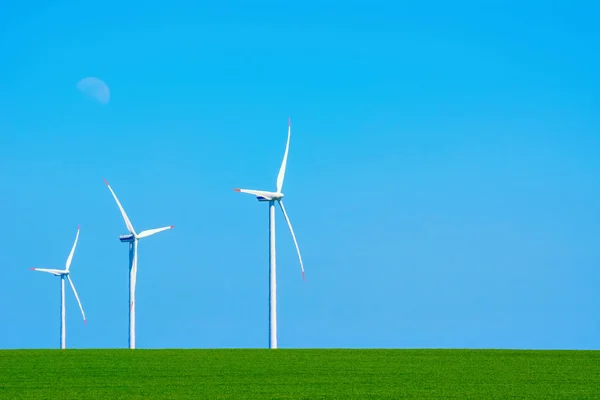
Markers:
<point>256,373</point>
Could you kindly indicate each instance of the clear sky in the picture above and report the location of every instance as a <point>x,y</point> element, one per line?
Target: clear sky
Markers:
<point>443,178</point>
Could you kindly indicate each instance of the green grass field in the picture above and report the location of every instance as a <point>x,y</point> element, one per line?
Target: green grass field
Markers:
<point>299,374</point>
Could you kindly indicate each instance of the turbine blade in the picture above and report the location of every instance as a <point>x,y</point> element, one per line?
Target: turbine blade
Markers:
<point>50,271</point>
<point>127,221</point>
<point>293,236</point>
<point>70,259</point>
<point>258,193</point>
<point>281,174</point>
<point>77,297</point>
<point>151,232</point>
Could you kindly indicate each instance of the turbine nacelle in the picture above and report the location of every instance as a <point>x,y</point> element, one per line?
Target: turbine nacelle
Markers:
<point>273,197</point>
<point>127,238</point>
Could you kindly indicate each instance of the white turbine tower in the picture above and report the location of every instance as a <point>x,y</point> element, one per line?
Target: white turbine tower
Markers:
<point>132,239</point>
<point>64,273</point>
<point>273,197</point>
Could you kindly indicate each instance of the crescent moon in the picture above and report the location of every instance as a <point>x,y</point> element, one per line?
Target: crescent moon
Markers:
<point>94,88</point>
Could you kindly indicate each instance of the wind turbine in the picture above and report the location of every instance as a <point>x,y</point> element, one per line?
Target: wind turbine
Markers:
<point>64,273</point>
<point>272,197</point>
<point>132,239</point>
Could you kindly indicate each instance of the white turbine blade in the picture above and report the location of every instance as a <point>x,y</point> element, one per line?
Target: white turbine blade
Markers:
<point>127,221</point>
<point>77,297</point>
<point>258,193</point>
<point>150,232</point>
<point>293,236</point>
<point>50,271</point>
<point>70,259</point>
<point>281,174</point>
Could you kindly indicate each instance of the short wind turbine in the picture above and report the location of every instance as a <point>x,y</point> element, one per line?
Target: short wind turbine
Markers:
<point>132,239</point>
<point>272,197</point>
<point>64,273</point>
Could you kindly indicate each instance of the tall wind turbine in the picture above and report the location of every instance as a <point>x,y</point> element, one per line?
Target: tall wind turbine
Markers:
<point>64,273</point>
<point>272,197</point>
<point>132,239</point>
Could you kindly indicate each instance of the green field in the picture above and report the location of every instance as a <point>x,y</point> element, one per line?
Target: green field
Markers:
<point>299,374</point>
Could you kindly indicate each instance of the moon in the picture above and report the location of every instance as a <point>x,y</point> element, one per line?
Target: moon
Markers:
<point>94,88</point>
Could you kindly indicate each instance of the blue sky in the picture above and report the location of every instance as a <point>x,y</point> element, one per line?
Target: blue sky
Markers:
<point>442,178</point>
